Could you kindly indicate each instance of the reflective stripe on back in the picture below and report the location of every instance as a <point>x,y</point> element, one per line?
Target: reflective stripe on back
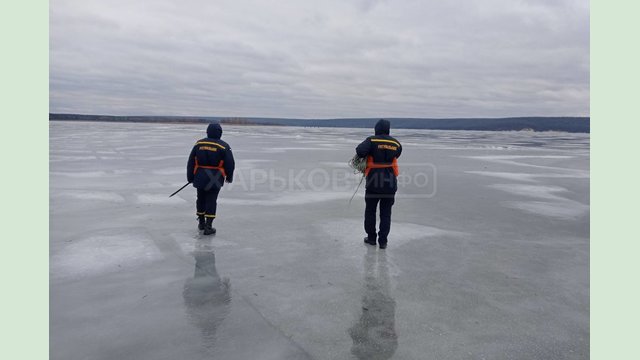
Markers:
<point>387,141</point>
<point>210,143</point>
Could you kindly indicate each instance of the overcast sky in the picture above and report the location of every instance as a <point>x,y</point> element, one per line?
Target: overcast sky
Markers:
<point>320,59</point>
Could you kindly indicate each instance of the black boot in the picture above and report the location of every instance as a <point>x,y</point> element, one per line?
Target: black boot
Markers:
<point>200,222</point>
<point>369,242</point>
<point>208,229</point>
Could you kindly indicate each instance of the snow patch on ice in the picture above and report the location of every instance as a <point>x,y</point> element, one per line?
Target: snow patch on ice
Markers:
<point>515,157</point>
<point>188,245</point>
<point>101,254</point>
<point>160,185</point>
<point>90,195</point>
<point>512,160</point>
<point>285,149</point>
<point>134,147</point>
<point>70,158</point>
<point>82,174</point>
<point>537,191</point>
<point>286,198</point>
<point>351,232</point>
<point>243,164</point>
<point>155,158</point>
<point>126,171</point>
<point>255,161</point>
<point>157,199</point>
<point>527,176</point>
<point>335,164</point>
<point>506,175</point>
<point>171,171</point>
<point>566,210</point>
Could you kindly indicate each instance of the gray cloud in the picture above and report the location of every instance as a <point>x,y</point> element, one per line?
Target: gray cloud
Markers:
<point>360,58</point>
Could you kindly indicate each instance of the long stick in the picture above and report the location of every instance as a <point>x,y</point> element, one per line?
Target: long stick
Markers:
<point>177,191</point>
<point>357,188</point>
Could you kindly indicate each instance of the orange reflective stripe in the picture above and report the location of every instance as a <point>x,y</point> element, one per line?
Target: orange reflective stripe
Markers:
<point>219,167</point>
<point>373,165</point>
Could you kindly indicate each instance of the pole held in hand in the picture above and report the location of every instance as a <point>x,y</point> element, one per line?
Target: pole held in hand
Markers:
<point>177,191</point>
<point>355,192</point>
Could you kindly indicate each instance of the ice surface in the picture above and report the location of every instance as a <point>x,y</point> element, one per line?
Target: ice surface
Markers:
<point>95,255</point>
<point>89,195</point>
<point>489,261</point>
<point>562,210</point>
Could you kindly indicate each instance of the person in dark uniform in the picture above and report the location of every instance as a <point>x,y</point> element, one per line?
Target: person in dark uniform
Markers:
<point>210,165</point>
<point>381,152</point>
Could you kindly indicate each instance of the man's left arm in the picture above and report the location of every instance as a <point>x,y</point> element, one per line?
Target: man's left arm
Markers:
<point>229,165</point>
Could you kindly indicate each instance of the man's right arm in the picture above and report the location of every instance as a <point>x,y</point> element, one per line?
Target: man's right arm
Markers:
<point>364,148</point>
<point>191,164</point>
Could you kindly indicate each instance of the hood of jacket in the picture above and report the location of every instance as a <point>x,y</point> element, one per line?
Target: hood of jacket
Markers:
<point>382,127</point>
<point>214,131</point>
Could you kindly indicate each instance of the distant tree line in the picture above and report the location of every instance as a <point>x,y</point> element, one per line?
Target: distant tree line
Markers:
<point>565,124</point>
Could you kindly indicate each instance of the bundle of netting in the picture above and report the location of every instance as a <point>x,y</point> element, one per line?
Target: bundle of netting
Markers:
<point>358,164</point>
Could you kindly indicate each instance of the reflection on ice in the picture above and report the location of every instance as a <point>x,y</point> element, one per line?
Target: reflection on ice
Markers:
<point>374,334</point>
<point>207,297</point>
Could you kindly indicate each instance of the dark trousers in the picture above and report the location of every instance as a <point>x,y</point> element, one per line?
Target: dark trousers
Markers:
<point>207,202</point>
<point>371,204</point>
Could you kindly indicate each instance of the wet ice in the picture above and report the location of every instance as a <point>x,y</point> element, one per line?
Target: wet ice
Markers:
<point>494,264</point>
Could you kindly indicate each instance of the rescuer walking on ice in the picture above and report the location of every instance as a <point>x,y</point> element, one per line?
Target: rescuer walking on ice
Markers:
<point>210,165</point>
<point>381,152</point>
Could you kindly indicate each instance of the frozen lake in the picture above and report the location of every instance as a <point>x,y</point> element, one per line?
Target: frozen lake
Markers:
<point>488,254</point>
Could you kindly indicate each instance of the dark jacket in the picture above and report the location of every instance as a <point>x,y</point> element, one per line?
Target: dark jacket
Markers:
<point>383,149</point>
<point>210,152</point>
